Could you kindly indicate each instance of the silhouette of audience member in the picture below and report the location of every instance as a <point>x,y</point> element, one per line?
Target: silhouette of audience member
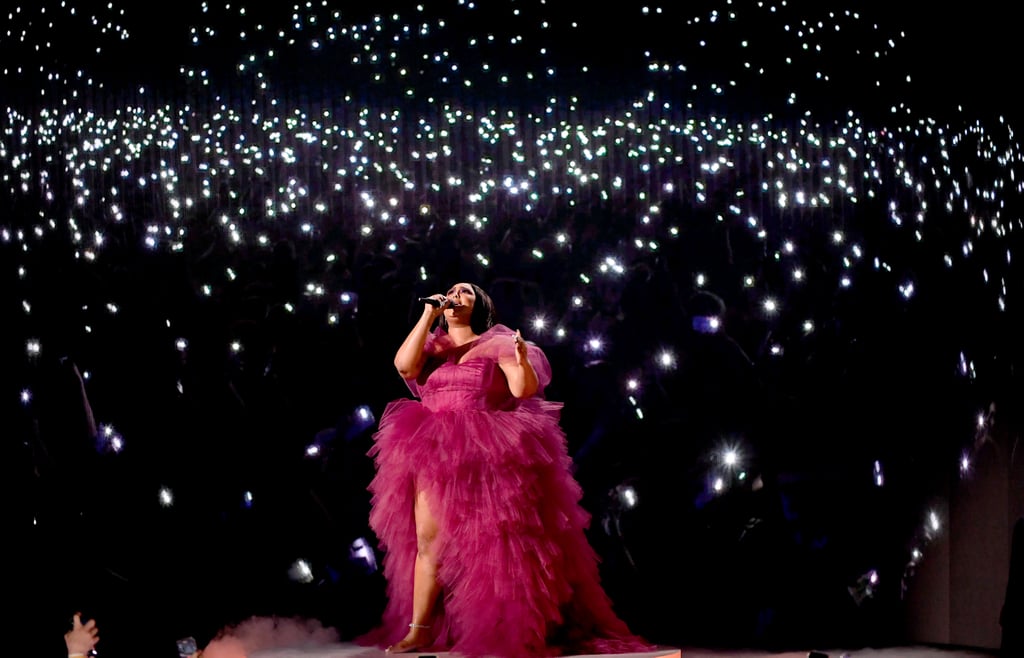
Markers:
<point>82,638</point>
<point>712,406</point>
<point>707,397</point>
<point>713,388</point>
<point>67,426</point>
<point>1011,618</point>
<point>63,446</point>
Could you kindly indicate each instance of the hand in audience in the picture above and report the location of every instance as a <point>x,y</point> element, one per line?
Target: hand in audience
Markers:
<point>82,638</point>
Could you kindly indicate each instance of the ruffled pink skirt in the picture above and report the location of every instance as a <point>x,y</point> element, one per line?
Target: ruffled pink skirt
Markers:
<point>518,576</point>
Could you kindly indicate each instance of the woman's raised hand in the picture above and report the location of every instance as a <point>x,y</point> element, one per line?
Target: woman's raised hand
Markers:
<point>521,352</point>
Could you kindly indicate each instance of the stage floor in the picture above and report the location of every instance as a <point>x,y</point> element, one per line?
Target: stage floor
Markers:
<point>353,651</point>
<point>893,652</point>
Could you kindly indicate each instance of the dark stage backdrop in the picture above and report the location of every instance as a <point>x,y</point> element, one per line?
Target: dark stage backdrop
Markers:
<point>771,250</point>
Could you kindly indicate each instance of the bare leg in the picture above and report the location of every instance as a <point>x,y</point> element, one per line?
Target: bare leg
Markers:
<point>425,588</point>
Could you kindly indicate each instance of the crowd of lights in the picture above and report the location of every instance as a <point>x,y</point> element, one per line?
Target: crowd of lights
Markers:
<point>260,165</point>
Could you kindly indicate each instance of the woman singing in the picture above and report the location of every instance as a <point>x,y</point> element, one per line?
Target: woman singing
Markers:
<point>474,503</point>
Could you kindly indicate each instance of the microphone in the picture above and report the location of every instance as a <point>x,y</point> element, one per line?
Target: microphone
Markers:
<point>435,303</point>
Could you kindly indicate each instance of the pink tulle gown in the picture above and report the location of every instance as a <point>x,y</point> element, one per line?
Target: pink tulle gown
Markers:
<point>518,577</point>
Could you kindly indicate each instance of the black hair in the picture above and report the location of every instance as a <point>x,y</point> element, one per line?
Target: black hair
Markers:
<point>483,316</point>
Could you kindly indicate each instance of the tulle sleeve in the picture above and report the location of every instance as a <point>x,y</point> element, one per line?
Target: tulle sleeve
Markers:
<point>435,343</point>
<point>500,346</point>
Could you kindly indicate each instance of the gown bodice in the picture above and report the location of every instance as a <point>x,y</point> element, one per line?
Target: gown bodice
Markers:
<point>476,383</point>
